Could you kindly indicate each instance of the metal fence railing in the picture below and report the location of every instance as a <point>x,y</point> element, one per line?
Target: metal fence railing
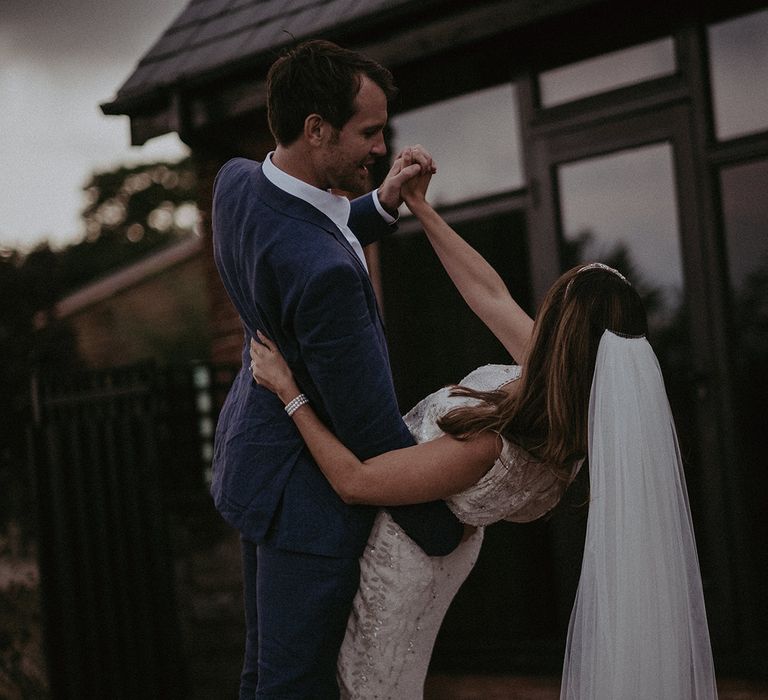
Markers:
<point>108,450</point>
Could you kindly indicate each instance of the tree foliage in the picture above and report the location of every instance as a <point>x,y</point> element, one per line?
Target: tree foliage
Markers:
<point>131,212</point>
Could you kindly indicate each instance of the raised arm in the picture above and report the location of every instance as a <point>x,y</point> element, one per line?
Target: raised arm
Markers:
<point>478,283</point>
<point>424,472</point>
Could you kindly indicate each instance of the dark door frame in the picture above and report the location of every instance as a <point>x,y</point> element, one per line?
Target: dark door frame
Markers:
<point>657,112</point>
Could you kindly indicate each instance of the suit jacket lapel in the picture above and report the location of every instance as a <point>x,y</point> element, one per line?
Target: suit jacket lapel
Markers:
<point>298,208</point>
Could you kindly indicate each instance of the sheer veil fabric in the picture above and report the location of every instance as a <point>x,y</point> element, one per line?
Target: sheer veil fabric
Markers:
<point>638,627</point>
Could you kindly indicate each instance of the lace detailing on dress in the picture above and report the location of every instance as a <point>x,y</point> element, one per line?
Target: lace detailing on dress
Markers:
<point>516,488</point>
<point>397,613</point>
<point>404,594</point>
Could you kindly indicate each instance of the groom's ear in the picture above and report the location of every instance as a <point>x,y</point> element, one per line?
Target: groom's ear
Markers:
<point>315,128</point>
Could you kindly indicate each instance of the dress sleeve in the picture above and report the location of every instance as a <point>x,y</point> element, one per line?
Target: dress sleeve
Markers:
<point>517,488</point>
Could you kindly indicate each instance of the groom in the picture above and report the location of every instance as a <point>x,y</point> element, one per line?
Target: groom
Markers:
<point>289,253</point>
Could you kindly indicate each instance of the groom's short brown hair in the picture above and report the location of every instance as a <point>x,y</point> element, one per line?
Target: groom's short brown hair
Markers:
<point>318,77</point>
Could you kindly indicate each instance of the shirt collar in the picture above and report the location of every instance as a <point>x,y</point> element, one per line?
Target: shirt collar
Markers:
<point>334,206</point>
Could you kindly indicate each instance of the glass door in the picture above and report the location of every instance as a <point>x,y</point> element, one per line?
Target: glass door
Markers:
<point>623,192</point>
<point>622,209</point>
<point>743,188</point>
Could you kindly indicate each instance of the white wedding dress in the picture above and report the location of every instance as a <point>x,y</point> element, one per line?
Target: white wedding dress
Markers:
<point>404,594</point>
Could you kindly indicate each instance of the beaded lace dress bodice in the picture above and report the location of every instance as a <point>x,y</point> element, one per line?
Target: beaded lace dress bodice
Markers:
<point>404,594</point>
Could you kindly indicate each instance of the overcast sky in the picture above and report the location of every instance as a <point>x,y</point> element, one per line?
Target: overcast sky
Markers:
<point>59,59</point>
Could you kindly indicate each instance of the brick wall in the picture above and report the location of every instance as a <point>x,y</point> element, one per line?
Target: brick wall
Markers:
<point>226,332</point>
<point>157,309</point>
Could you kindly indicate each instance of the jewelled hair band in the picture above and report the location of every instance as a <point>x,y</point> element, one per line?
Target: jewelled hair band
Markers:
<point>602,266</point>
<point>596,266</point>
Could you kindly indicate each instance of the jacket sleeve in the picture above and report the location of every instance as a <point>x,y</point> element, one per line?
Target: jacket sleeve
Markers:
<point>366,222</point>
<point>345,354</point>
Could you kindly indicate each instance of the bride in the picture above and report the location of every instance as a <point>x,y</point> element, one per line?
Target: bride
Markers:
<point>504,445</point>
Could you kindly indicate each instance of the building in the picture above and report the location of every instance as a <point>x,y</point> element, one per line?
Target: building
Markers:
<point>155,308</point>
<point>634,132</point>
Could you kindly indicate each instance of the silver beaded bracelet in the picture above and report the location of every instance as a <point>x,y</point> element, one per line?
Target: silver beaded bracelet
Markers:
<point>294,404</point>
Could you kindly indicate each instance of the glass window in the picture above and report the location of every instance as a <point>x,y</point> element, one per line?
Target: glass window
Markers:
<point>475,140</point>
<point>738,52</point>
<point>607,72</point>
<point>745,216</point>
<point>423,309</point>
<point>745,210</point>
<point>622,209</point>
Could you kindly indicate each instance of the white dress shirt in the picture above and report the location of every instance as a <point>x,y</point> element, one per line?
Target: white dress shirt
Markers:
<point>334,206</point>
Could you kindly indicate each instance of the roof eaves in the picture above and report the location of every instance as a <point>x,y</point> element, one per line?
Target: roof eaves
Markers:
<point>299,20</point>
<point>128,277</point>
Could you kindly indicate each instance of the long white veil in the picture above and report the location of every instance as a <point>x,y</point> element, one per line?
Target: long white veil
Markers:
<point>638,628</point>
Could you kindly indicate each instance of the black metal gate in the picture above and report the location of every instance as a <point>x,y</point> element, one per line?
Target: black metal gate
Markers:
<point>101,444</point>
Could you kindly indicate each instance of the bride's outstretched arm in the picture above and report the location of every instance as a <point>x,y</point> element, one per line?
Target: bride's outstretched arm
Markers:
<point>478,283</point>
<point>424,472</point>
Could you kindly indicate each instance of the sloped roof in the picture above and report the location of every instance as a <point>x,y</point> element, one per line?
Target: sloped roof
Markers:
<point>211,35</point>
<point>211,63</point>
<point>128,277</point>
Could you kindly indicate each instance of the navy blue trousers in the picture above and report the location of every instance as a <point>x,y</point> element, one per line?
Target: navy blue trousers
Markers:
<point>296,610</point>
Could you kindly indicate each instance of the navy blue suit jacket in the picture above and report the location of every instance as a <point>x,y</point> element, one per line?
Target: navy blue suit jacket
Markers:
<point>290,272</point>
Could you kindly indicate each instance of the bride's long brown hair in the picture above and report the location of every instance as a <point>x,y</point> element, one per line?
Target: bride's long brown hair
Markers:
<point>547,416</point>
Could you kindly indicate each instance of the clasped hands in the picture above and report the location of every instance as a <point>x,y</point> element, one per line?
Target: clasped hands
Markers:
<point>408,179</point>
